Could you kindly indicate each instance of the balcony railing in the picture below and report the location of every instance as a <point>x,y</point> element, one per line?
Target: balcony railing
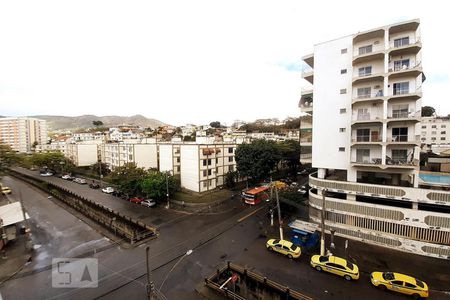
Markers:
<point>404,138</point>
<point>396,68</point>
<point>374,94</point>
<point>366,117</point>
<point>404,115</point>
<point>368,161</point>
<point>367,51</point>
<point>306,140</point>
<point>366,138</point>
<point>305,155</point>
<point>392,44</point>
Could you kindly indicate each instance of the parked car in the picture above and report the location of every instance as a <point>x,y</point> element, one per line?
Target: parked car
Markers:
<point>46,174</point>
<point>94,185</point>
<point>136,199</point>
<point>80,181</point>
<point>335,265</point>
<point>67,177</point>
<point>148,202</point>
<point>303,172</point>
<point>302,191</point>
<point>108,190</point>
<point>400,283</point>
<point>284,247</point>
<point>6,190</point>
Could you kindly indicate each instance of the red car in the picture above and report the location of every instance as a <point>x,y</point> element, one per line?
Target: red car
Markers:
<point>136,199</point>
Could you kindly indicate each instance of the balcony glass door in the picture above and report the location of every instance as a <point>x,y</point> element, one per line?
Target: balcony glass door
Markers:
<point>399,156</point>
<point>363,135</point>
<point>365,71</point>
<point>363,156</point>
<point>400,134</point>
<point>400,111</point>
<point>363,114</point>
<point>402,64</point>
<point>404,41</point>
<point>401,88</point>
<point>363,92</point>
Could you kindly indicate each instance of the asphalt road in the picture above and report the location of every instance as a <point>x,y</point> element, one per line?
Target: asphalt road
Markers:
<point>235,235</point>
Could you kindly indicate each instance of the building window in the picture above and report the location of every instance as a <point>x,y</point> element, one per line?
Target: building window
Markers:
<point>365,71</point>
<point>209,172</point>
<point>433,132</point>
<point>401,88</point>
<point>205,184</point>
<point>433,138</point>
<point>178,168</point>
<point>178,159</point>
<point>424,127</point>
<point>205,173</point>
<point>363,135</point>
<point>424,133</point>
<point>365,49</point>
<point>130,157</point>
<point>363,92</point>
<point>443,132</point>
<point>433,126</point>
<point>230,159</point>
<point>230,150</point>
<point>230,168</point>
<point>344,71</point>
<point>443,126</point>
<point>343,51</point>
<point>341,149</point>
<point>341,129</point>
<point>204,162</point>
<point>443,138</point>
<point>217,160</point>
<point>400,111</point>
<point>363,156</point>
<point>399,155</point>
<point>400,134</point>
<point>423,139</point>
<point>401,42</point>
<point>343,91</point>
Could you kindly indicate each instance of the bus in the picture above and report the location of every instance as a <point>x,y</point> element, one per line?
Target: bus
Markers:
<point>255,195</point>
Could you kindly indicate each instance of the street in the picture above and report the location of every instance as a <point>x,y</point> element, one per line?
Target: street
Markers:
<point>239,235</point>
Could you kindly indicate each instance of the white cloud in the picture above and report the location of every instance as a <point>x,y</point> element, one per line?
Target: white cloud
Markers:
<point>185,61</point>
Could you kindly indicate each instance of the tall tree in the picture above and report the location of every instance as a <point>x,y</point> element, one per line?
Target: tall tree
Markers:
<point>257,159</point>
<point>290,153</point>
<point>428,111</point>
<point>155,184</point>
<point>55,161</point>
<point>215,124</point>
<point>8,157</point>
<point>128,178</point>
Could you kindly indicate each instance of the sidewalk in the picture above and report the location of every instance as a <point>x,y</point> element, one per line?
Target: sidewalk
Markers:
<point>16,258</point>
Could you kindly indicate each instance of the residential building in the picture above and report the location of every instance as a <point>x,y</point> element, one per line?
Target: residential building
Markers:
<point>170,158</point>
<point>52,147</point>
<point>306,110</point>
<point>118,154</point>
<point>23,133</point>
<point>82,155</point>
<point>435,130</point>
<point>365,142</point>
<point>204,166</point>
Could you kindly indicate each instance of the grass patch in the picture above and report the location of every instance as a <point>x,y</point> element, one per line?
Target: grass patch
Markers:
<point>205,197</point>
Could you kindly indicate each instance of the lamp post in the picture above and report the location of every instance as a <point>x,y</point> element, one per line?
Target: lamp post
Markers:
<point>189,252</point>
<point>167,189</point>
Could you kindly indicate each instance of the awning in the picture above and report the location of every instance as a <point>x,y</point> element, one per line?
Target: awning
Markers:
<point>12,214</point>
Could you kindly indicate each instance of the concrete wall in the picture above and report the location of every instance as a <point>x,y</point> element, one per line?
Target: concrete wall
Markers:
<point>165,158</point>
<point>146,155</point>
<point>190,167</point>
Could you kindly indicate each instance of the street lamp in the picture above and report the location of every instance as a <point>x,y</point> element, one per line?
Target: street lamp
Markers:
<point>167,188</point>
<point>189,252</point>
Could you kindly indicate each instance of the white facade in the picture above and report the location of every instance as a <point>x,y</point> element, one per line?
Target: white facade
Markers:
<point>203,167</point>
<point>170,158</point>
<point>21,133</point>
<point>52,147</point>
<point>367,102</point>
<point>117,154</point>
<point>82,155</point>
<point>435,131</point>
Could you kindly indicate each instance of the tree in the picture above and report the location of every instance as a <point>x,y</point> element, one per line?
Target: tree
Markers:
<point>215,124</point>
<point>155,183</point>
<point>54,161</point>
<point>97,123</point>
<point>230,179</point>
<point>428,111</point>
<point>257,159</point>
<point>8,157</point>
<point>290,153</point>
<point>128,178</point>
<point>99,166</point>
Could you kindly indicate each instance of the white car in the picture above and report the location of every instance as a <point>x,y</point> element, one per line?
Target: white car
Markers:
<point>47,174</point>
<point>148,202</point>
<point>108,190</point>
<point>67,177</point>
<point>301,191</point>
<point>80,181</point>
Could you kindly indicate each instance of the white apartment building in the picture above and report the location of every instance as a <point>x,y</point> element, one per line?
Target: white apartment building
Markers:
<point>118,154</point>
<point>21,133</point>
<point>203,167</point>
<point>82,155</point>
<point>365,142</point>
<point>52,147</point>
<point>170,158</point>
<point>435,130</point>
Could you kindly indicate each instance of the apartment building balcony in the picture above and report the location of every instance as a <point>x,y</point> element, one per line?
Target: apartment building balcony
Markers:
<point>375,96</point>
<point>405,70</point>
<point>368,54</point>
<point>403,140</point>
<point>405,48</point>
<point>306,100</point>
<point>309,59</point>
<point>367,162</point>
<point>306,141</point>
<point>368,77</point>
<point>366,140</point>
<point>405,94</point>
<point>367,119</point>
<point>308,75</point>
<point>404,117</point>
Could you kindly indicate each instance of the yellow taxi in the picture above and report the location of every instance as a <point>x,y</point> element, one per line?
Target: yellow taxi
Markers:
<point>400,283</point>
<point>6,190</point>
<point>284,247</point>
<point>335,265</point>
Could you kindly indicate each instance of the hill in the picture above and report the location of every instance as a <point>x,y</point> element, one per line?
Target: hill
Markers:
<point>85,121</point>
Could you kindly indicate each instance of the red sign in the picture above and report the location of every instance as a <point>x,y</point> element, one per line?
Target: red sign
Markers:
<point>234,277</point>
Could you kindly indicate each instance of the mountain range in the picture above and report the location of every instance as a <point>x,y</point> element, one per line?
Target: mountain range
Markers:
<point>85,121</point>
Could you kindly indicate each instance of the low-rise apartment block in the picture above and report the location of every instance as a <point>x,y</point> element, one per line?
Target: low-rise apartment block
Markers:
<point>82,155</point>
<point>170,158</point>
<point>435,130</point>
<point>117,154</point>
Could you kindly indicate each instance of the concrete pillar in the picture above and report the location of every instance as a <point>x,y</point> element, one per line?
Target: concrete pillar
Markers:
<point>415,205</point>
<point>351,175</point>
<point>416,178</point>
<point>351,197</point>
<point>321,173</point>
<point>383,154</point>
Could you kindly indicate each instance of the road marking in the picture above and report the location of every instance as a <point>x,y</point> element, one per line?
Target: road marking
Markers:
<point>250,214</point>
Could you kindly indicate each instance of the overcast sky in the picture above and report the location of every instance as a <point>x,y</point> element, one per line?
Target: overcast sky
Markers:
<point>188,61</point>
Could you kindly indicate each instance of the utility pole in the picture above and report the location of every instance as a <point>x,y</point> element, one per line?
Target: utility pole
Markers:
<point>100,171</point>
<point>149,280</point>
<point>167,190</point>
<point>279,214</point>
<point>322,238</point>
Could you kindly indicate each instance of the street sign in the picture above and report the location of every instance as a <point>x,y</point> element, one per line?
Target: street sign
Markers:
<point>234,277</point>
